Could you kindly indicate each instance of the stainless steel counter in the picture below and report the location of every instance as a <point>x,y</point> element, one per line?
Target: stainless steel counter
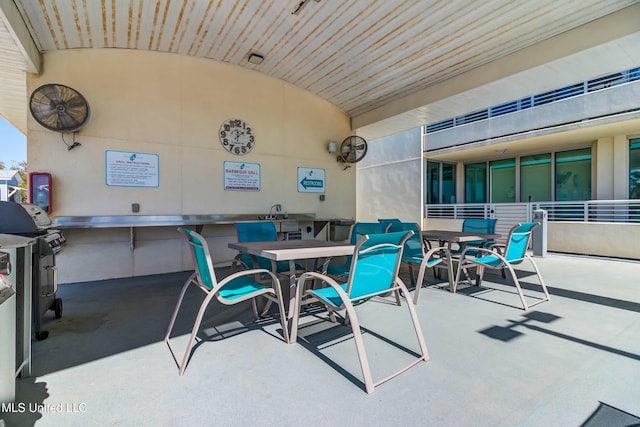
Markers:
<point>114,221</point>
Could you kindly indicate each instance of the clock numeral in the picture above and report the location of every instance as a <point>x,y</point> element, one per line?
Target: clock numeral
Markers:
<point>227,127</point>
<point>244,150</point>
<point>237,123</point>
<point>248,131</point>
<point>251,138</point>
<point>223,134</point>
<point>230,148</point>
<point>249,145</point>
<point>237,150</point>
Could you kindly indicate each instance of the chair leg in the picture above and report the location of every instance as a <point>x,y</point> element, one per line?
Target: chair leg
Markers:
<point>416,324</point>
<point>182,365</point>
<point>283,314</point>
<point>518,288</point>
<point>480,274</point>
<point>362,353</point>
<point>370,385</point>
<point>421,273</point>
<point>461,265</point>
<point>183,291</point>
<point>544,287</point>
<point>413,279</point>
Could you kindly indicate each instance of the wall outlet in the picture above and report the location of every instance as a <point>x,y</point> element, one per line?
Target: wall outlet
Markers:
<point>135,207</point>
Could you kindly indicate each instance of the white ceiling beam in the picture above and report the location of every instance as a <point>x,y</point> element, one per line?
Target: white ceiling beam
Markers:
<point>14,23</point>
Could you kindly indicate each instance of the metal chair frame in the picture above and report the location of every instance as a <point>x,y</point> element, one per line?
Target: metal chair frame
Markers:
<point>353,292</point>
<point>204,278</point>
<point>514,253</point>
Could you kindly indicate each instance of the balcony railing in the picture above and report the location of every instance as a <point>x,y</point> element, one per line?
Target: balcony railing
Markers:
<point>588,211</point>
<point>577,89</point>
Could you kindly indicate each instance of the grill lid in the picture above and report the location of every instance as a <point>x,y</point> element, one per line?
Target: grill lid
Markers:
<point>22,219</point>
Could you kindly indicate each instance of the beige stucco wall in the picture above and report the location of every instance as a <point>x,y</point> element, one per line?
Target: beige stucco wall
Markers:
<point>617,240</point>
<point>602,239</point>
<point>173,106</point>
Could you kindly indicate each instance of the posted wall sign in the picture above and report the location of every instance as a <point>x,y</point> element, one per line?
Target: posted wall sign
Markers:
<point>241,176</point>
<point>127,169</point>
<point>311,180</point>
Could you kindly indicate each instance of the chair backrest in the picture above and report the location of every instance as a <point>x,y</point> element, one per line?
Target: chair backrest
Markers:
<point>375,265</point>
<point>391,224</point>
<point>361,229</point>
<point>413,247</point>
<point>262,231</point>
<point>479,225</point>
<point>201,258</point>
<point>518,242</point>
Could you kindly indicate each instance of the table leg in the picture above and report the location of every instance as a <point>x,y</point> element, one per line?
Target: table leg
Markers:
<point>293,303</point>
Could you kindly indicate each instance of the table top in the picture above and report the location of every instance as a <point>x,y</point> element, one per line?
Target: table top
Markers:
<point>287,250</point>
<point>457,236</point>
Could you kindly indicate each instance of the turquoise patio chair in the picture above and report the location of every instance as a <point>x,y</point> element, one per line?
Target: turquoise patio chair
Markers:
<point>515,253</point>
<point>358,231</point>
<point>373,273</point>
<point>476,225</point>
<point>261,231</point>
<point>414,254</point>
<point>235,288</point>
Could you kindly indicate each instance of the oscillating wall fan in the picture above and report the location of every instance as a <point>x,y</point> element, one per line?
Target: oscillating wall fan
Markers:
<point>353,149</point>
<point>60,108</point>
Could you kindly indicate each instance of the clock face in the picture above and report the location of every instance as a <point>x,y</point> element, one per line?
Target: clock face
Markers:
<point>236,136</point>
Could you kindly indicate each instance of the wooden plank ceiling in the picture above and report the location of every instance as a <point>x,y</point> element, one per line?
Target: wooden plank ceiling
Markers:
<point>357,54</point>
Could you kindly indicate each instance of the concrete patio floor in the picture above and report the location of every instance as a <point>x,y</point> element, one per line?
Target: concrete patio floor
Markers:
<point>573,361</point>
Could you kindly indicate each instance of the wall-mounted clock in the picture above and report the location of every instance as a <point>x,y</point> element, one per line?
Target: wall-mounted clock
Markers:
<point>236,136</point>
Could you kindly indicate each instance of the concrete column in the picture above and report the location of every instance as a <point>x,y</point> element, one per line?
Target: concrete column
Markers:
<point>603,165</point>
<point>460,182</point>
<point>621,171</point>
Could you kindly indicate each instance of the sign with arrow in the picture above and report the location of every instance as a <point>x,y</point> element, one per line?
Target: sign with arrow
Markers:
<point>311,180</point>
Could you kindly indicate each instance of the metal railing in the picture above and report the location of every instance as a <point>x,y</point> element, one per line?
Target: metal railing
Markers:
<point>577,89</point>
<point>626,211</point>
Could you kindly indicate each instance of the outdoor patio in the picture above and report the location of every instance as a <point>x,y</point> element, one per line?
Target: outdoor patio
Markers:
<point>572,361</point>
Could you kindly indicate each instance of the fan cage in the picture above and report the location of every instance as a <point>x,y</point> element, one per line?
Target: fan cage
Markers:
<point>59,108</point>
<point>347,152</point>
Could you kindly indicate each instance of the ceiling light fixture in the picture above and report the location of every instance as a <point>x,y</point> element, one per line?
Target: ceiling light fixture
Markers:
<point>255,58</point>
<point>501,151</point>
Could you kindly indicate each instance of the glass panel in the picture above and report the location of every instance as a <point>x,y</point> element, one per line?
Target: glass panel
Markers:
<point>448,183</point>
<point>433,183</point>
<point>475,183</point>
<point>535,178</point>
<point>634,169</point>
<point>503,181</point>
<point>573,175</point>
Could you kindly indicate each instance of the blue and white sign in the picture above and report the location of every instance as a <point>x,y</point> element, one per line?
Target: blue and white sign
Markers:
<point>241,176</point>
<point>311,180</point>
<point>128,169</point>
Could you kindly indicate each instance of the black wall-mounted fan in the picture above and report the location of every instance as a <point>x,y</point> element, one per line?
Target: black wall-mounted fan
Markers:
<point>353,149</point>
<point>60,108</point>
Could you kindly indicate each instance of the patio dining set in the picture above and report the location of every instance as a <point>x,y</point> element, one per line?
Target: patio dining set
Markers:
<point>338,276</point>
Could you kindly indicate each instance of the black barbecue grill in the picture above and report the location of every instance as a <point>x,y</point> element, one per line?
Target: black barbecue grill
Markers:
<point>31,221</point>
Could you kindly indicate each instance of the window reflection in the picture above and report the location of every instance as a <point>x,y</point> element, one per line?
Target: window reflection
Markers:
<point>573,175</point>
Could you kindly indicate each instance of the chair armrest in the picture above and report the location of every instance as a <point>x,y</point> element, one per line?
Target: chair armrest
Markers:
<point>498,247</point>
<point>230,263</point>
<point>252,272</point>
<point>437,250</point>
<point>480,252</point>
